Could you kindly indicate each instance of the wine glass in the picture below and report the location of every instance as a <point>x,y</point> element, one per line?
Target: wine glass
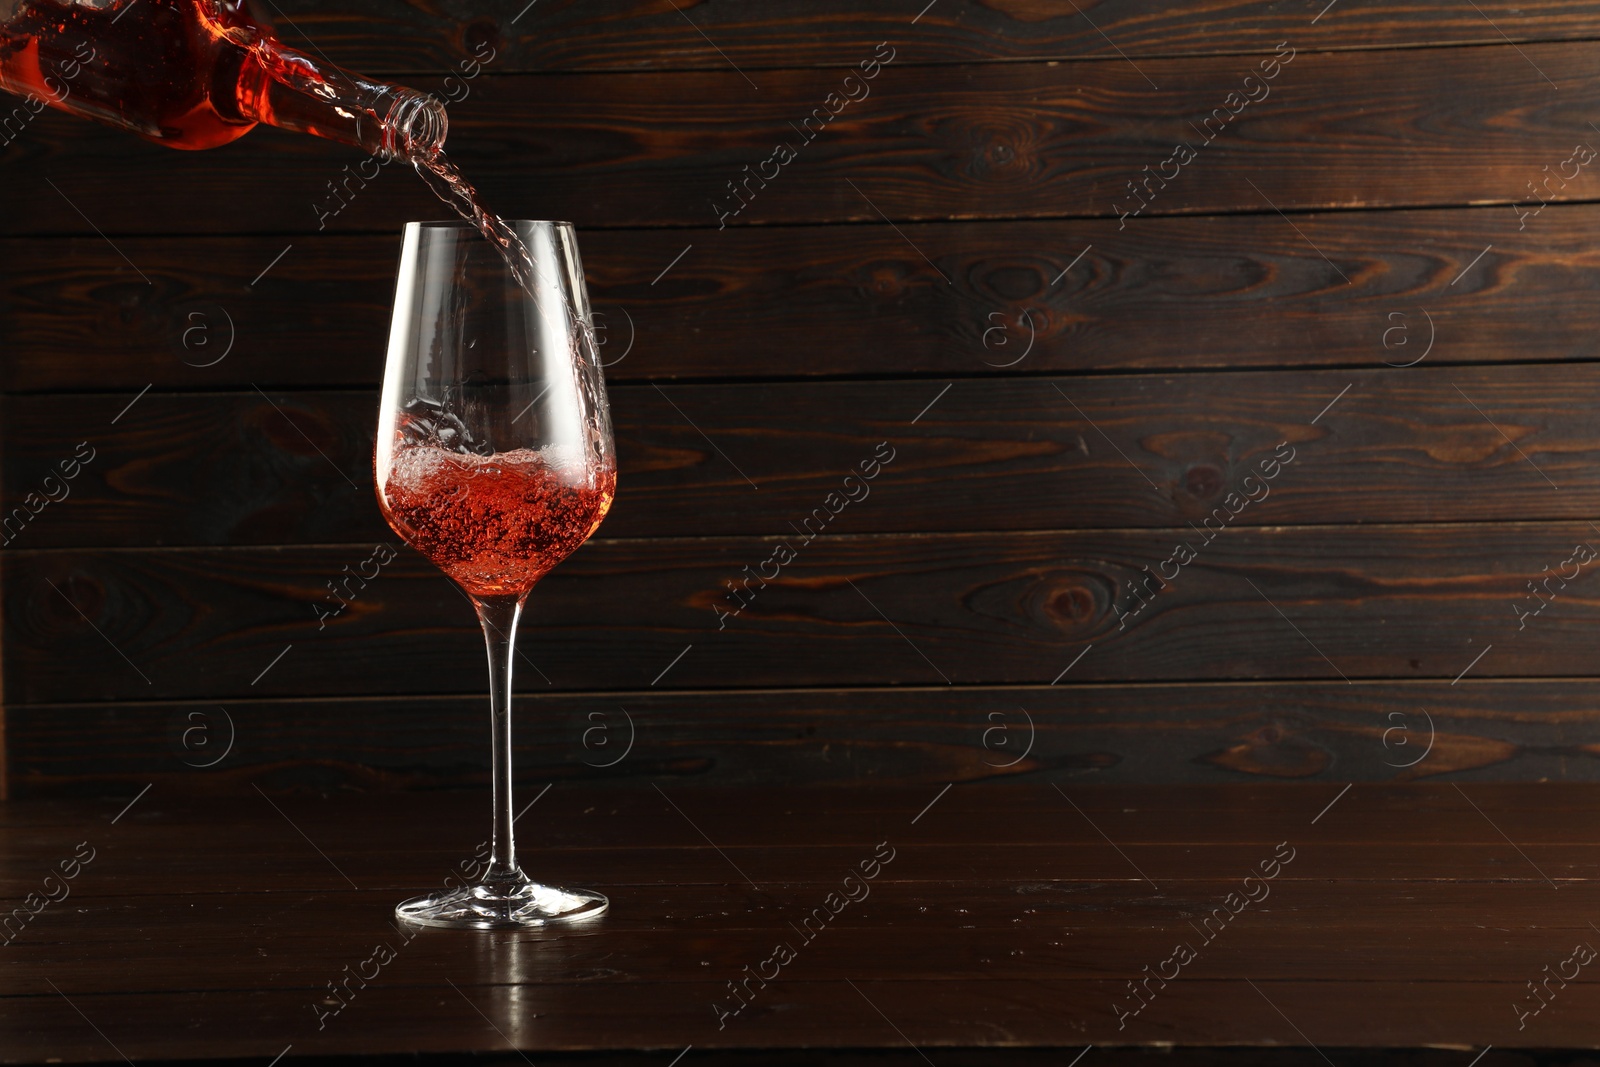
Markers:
<point>494,459</point>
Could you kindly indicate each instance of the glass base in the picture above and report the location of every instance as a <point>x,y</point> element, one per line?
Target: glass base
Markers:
<point>485,907</point>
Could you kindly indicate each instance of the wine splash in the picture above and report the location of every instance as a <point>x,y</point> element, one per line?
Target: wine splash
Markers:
<point>495,524</point>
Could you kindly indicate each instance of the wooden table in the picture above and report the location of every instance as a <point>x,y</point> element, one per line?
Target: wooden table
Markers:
<point>993,924</point>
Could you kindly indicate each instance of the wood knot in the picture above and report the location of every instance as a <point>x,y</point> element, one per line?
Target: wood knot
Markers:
<point>1202,481</point>
<point>74,598</point>
<point>483,35</point>
<point>883,281</point>
<point>1272,750</point>
<point>295,431</point>
<point>1075,605</point>
<point>1003,150</point>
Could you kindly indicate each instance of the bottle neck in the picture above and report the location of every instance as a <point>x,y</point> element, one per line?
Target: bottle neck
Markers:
<point>291,91</point>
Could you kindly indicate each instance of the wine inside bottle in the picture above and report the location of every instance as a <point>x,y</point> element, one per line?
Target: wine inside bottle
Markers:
<point>200,73</point>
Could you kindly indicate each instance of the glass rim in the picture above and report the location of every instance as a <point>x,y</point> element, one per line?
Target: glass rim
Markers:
<point>463,224</point>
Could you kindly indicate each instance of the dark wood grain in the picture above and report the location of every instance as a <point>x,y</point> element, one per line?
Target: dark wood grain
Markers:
<point>1211,812</point>
<point>1303,903</point>
<point>989,812</point>
<point>1046,937</point>
<point>790,872</point>
<point>430,39</point>
<point>1088,422</point>
<point>201,930</point>
<point>1338,130</point>
<point>1006,865</point>
<point>1177,294</point>
<point>1269,603</point>
<point>772,872</point>
<point>1024,1015</point>
<point>1102,452</point>
<point>782,858</point>
<point>1209,732</point>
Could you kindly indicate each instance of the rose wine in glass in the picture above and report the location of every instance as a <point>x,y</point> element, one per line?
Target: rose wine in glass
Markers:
<point>495,460</point>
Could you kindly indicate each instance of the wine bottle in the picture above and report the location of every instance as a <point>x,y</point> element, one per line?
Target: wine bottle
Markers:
<point>197,74</point>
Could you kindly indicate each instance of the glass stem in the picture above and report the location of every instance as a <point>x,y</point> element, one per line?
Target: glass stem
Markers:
<point>499,617</point>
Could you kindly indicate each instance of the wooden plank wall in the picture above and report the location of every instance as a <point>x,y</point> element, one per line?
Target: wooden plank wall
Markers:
<point>1272,457</point>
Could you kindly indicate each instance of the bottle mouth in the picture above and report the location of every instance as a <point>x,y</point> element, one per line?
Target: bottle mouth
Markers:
<point>415,127</point>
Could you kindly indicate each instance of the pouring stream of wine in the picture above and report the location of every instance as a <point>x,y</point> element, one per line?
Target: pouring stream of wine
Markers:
<point>452,187</point>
